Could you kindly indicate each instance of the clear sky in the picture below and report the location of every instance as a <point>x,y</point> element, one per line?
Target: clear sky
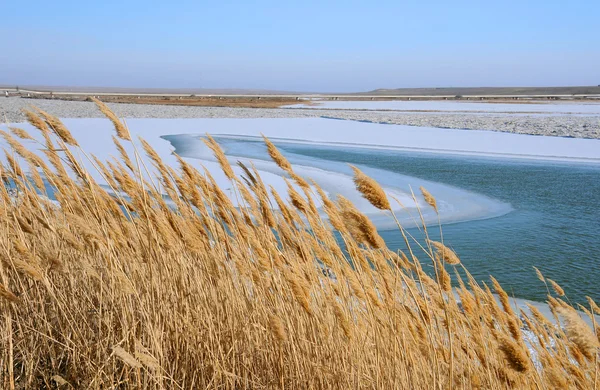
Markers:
<point>301,45</point>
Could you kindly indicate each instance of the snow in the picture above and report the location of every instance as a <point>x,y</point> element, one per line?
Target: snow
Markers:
<point>592,108</point>
<point>354,134</point>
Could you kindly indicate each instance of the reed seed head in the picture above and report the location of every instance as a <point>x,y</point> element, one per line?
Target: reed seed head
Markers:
<point>7,294</point>
<point>370,190</point>
<point>126,357</point>
<point>445,253</point>
<point>36,121</point>
<point>120,128</point>
<point>515,355</point>
<point>276,155</point>
<point>59,128</point>
<point>277,328</point>
<point>220,156</point>
<point>20,133</point>
<point>579,333</point>
<point>429,198</point>
<point>557,289</point>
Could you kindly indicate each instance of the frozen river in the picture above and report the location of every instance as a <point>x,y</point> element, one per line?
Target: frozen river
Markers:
<point>522,200</point>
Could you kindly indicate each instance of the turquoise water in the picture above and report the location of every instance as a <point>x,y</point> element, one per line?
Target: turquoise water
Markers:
<point>555,224</point>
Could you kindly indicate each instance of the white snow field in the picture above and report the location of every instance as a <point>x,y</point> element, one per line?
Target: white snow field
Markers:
<point>591,108</point>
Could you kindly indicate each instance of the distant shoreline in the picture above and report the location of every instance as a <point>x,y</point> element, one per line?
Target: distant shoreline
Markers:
<point>578,126</point>
<point>452,93</point>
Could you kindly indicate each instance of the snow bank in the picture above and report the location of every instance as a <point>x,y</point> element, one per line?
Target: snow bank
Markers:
<point>404,105</point>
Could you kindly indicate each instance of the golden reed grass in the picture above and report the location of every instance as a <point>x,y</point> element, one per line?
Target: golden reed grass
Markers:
<point>371,190</point>
<point>121,290</point>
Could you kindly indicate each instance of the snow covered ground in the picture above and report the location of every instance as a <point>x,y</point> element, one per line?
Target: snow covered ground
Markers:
<point>591,108</point>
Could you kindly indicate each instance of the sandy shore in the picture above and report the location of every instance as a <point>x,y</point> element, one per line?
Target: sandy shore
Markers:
<point>578,126</point>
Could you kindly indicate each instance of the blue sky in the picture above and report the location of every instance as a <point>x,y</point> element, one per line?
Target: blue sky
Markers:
<point>302,45</point>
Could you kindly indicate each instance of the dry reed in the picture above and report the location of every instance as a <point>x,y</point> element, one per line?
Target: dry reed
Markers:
<point>126,291</point>
<point>120,128</point>
<point>371,190</point>
<point>429,198</point>
<point>445,253</point>
<point>580,334</point>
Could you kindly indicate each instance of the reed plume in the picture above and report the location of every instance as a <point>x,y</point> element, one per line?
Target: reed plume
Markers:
<point>126,357</point>
<point>120,129</point>
<point>539,275</point>
<point>36,121</point>
<point>277,328</point>
<point>579,333</point>
<point>297,199</point>
<point>143,356</point>
<point>594,307</point>
<point>370,190</point>
<point>124,156</point>
<point>557,289</point>
<point>429,198</point>
<point>59,128</point>
<point>220,156</point>
<point>276,155</point>
<point>515,355</point>
<point>7,294</point>
<point>445,253</point>
<point>361,227</point>
<point>342,318</point>
<point>20,133</point>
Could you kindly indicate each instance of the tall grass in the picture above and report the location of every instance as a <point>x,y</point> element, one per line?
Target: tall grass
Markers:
<point>124,290</point>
